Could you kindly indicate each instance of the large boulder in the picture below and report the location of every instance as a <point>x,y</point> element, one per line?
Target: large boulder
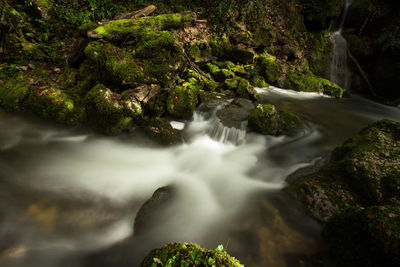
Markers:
<point>186,254</point>
<point>365,236</point>
<point>150,213</point>
<point>266,119</point>
<point>109,112</point>
<point>370,162</point>
<point>365,170</point>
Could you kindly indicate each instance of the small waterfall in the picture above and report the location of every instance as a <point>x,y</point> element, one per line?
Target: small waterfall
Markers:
<point>210,124</point>
<point>339,69</point>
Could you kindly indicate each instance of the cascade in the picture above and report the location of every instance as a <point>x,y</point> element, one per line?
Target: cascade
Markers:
<point>339,70</point>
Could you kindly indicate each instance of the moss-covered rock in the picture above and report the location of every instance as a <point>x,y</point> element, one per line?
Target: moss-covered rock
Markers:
<point>160,130</point>
<point>246,90</point>
<point>182,100</point>
<point>14,92</point>
<point>186,254</point>
<point>266,119</point>
<point>370,162</point>
<point>53,104</point>
<point>118,64</point>
<point>309,83</point>
<point>109,112</point>
<point>116,29</point>
<point>224,50</point>
<point>322,195</point>
<point>363,171</point>
<point>365,236</point>
<point>149,213</point>
<point>270,68</point>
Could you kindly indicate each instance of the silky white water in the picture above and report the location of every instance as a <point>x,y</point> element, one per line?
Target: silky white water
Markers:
<point>66,194</point>
<point>339,72</point>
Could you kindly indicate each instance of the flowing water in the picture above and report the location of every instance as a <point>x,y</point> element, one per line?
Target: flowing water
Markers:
<point>67,194</point>
<point>339,70</point>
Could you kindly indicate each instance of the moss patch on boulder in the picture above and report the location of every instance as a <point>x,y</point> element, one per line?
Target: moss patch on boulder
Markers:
<point>266,119</point>
<point>186,254</point>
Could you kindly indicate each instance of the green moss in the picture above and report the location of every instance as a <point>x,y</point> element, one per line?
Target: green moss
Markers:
<point>370,159</point>
<point>160,130</point>
<point>210,85</point>
<point>246,90</point>
<point>125,27</point>
<point>14,93</point>
<point>153,41</point>
<point>182,101</point>
<point>266,119</point>
<point>223,74</point>
<point>309,83</point>
<point>118,64</point>
<point>84,28</point>
<point>131,105</point>
<point>231,84</point>
<point>52,103</point>
<point>329,88</point>
<point>270,68</point>
<point>375,231</point>
<point>156,107</point>
<point>108,112</point>
<point>186,254</point>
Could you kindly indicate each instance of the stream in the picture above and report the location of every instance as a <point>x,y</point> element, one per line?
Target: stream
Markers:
<point>68,194</point>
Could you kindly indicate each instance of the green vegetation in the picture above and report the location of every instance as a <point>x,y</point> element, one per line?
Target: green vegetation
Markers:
<point>188,254</point>
<point>265,119</point>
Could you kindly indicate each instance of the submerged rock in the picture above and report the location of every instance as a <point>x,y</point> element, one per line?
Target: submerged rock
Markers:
<point>186,254</point>
<point>266,119</point>
<point>365,236</point>
<point>109,112</point>
<point>148,215</point>
<point>236,114</point>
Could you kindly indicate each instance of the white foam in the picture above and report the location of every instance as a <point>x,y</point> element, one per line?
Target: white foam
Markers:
<point>292,93</point>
